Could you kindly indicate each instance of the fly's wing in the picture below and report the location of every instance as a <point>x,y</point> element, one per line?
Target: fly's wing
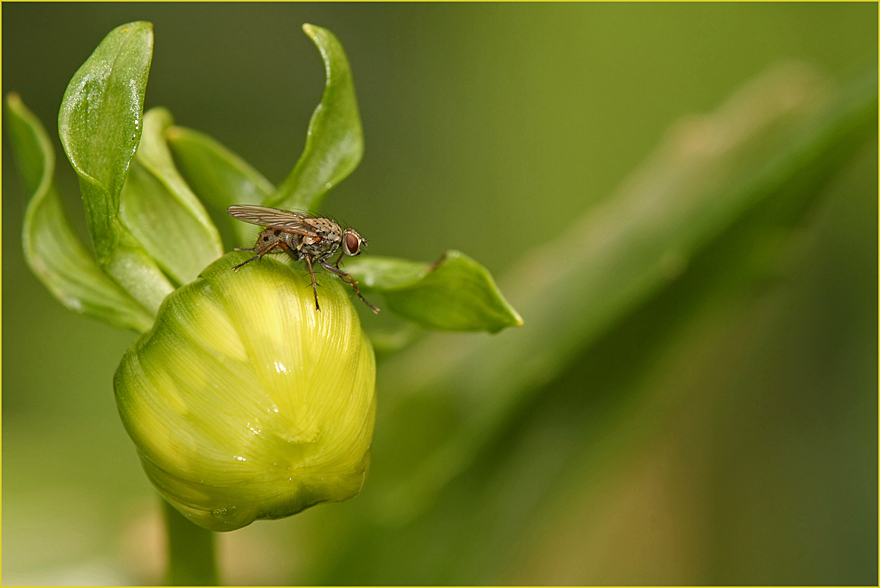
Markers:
<point>275,218</point>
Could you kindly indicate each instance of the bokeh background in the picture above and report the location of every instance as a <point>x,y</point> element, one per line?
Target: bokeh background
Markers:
<point>734,445</point>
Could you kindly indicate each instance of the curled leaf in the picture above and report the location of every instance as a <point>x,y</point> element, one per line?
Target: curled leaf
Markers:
<point>52,248</point>
<point>455,293</point>
<point>335,140</point>
<point>100,125</point>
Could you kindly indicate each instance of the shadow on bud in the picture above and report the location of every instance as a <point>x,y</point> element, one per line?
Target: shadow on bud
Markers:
<point>244,402</point>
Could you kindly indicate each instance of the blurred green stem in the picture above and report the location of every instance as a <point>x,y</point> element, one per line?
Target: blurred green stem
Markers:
<point>191,559</point>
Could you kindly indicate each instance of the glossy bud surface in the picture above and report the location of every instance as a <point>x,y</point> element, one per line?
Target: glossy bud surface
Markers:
<point>244,402</point>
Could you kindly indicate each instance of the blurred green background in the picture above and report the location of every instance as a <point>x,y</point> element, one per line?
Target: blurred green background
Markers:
<point>724,430</point>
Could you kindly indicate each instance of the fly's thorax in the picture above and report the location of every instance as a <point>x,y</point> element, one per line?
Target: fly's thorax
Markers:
<point>326,229</point>
<point>292,240</point>
<point>325,244</point>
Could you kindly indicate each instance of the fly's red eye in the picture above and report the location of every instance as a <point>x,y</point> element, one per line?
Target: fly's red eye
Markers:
<point>352,243</point>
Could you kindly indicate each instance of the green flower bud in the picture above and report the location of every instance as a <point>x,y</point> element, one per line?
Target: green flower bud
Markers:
<point>244,402</point>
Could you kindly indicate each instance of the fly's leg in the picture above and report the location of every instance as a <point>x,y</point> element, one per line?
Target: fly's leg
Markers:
<point>258,255</point>
<point>236,268</point>
<point>308,259</point>
<point>338,259</point>
<point>348,280</point>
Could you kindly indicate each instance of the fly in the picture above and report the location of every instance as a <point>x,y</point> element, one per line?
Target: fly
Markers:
<point>302,237</point>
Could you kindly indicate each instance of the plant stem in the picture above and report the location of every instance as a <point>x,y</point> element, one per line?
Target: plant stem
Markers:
<point>191,559</point>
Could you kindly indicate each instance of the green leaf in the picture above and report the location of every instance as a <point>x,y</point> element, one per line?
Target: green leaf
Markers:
<point>454,294</point>
<point>161,211</point>
<point>100,122</point>
<point>220,177</point>
<point>335,140</point>
<point>100,125</point>
<point>52,248</point>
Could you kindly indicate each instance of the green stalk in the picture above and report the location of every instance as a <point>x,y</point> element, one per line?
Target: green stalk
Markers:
<point>191,559</point>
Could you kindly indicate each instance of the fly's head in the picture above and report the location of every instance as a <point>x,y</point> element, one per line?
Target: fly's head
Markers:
<point>352,242</point>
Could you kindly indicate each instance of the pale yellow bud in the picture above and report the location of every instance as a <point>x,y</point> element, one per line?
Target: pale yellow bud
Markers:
<point>244,402</point>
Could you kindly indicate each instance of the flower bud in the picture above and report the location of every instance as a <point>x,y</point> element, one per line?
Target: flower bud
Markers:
<point>244,402</point>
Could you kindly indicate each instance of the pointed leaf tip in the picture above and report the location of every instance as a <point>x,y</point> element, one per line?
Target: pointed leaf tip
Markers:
<point>101,121</point>
<point>100,125</point>
<point>335,139</point>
